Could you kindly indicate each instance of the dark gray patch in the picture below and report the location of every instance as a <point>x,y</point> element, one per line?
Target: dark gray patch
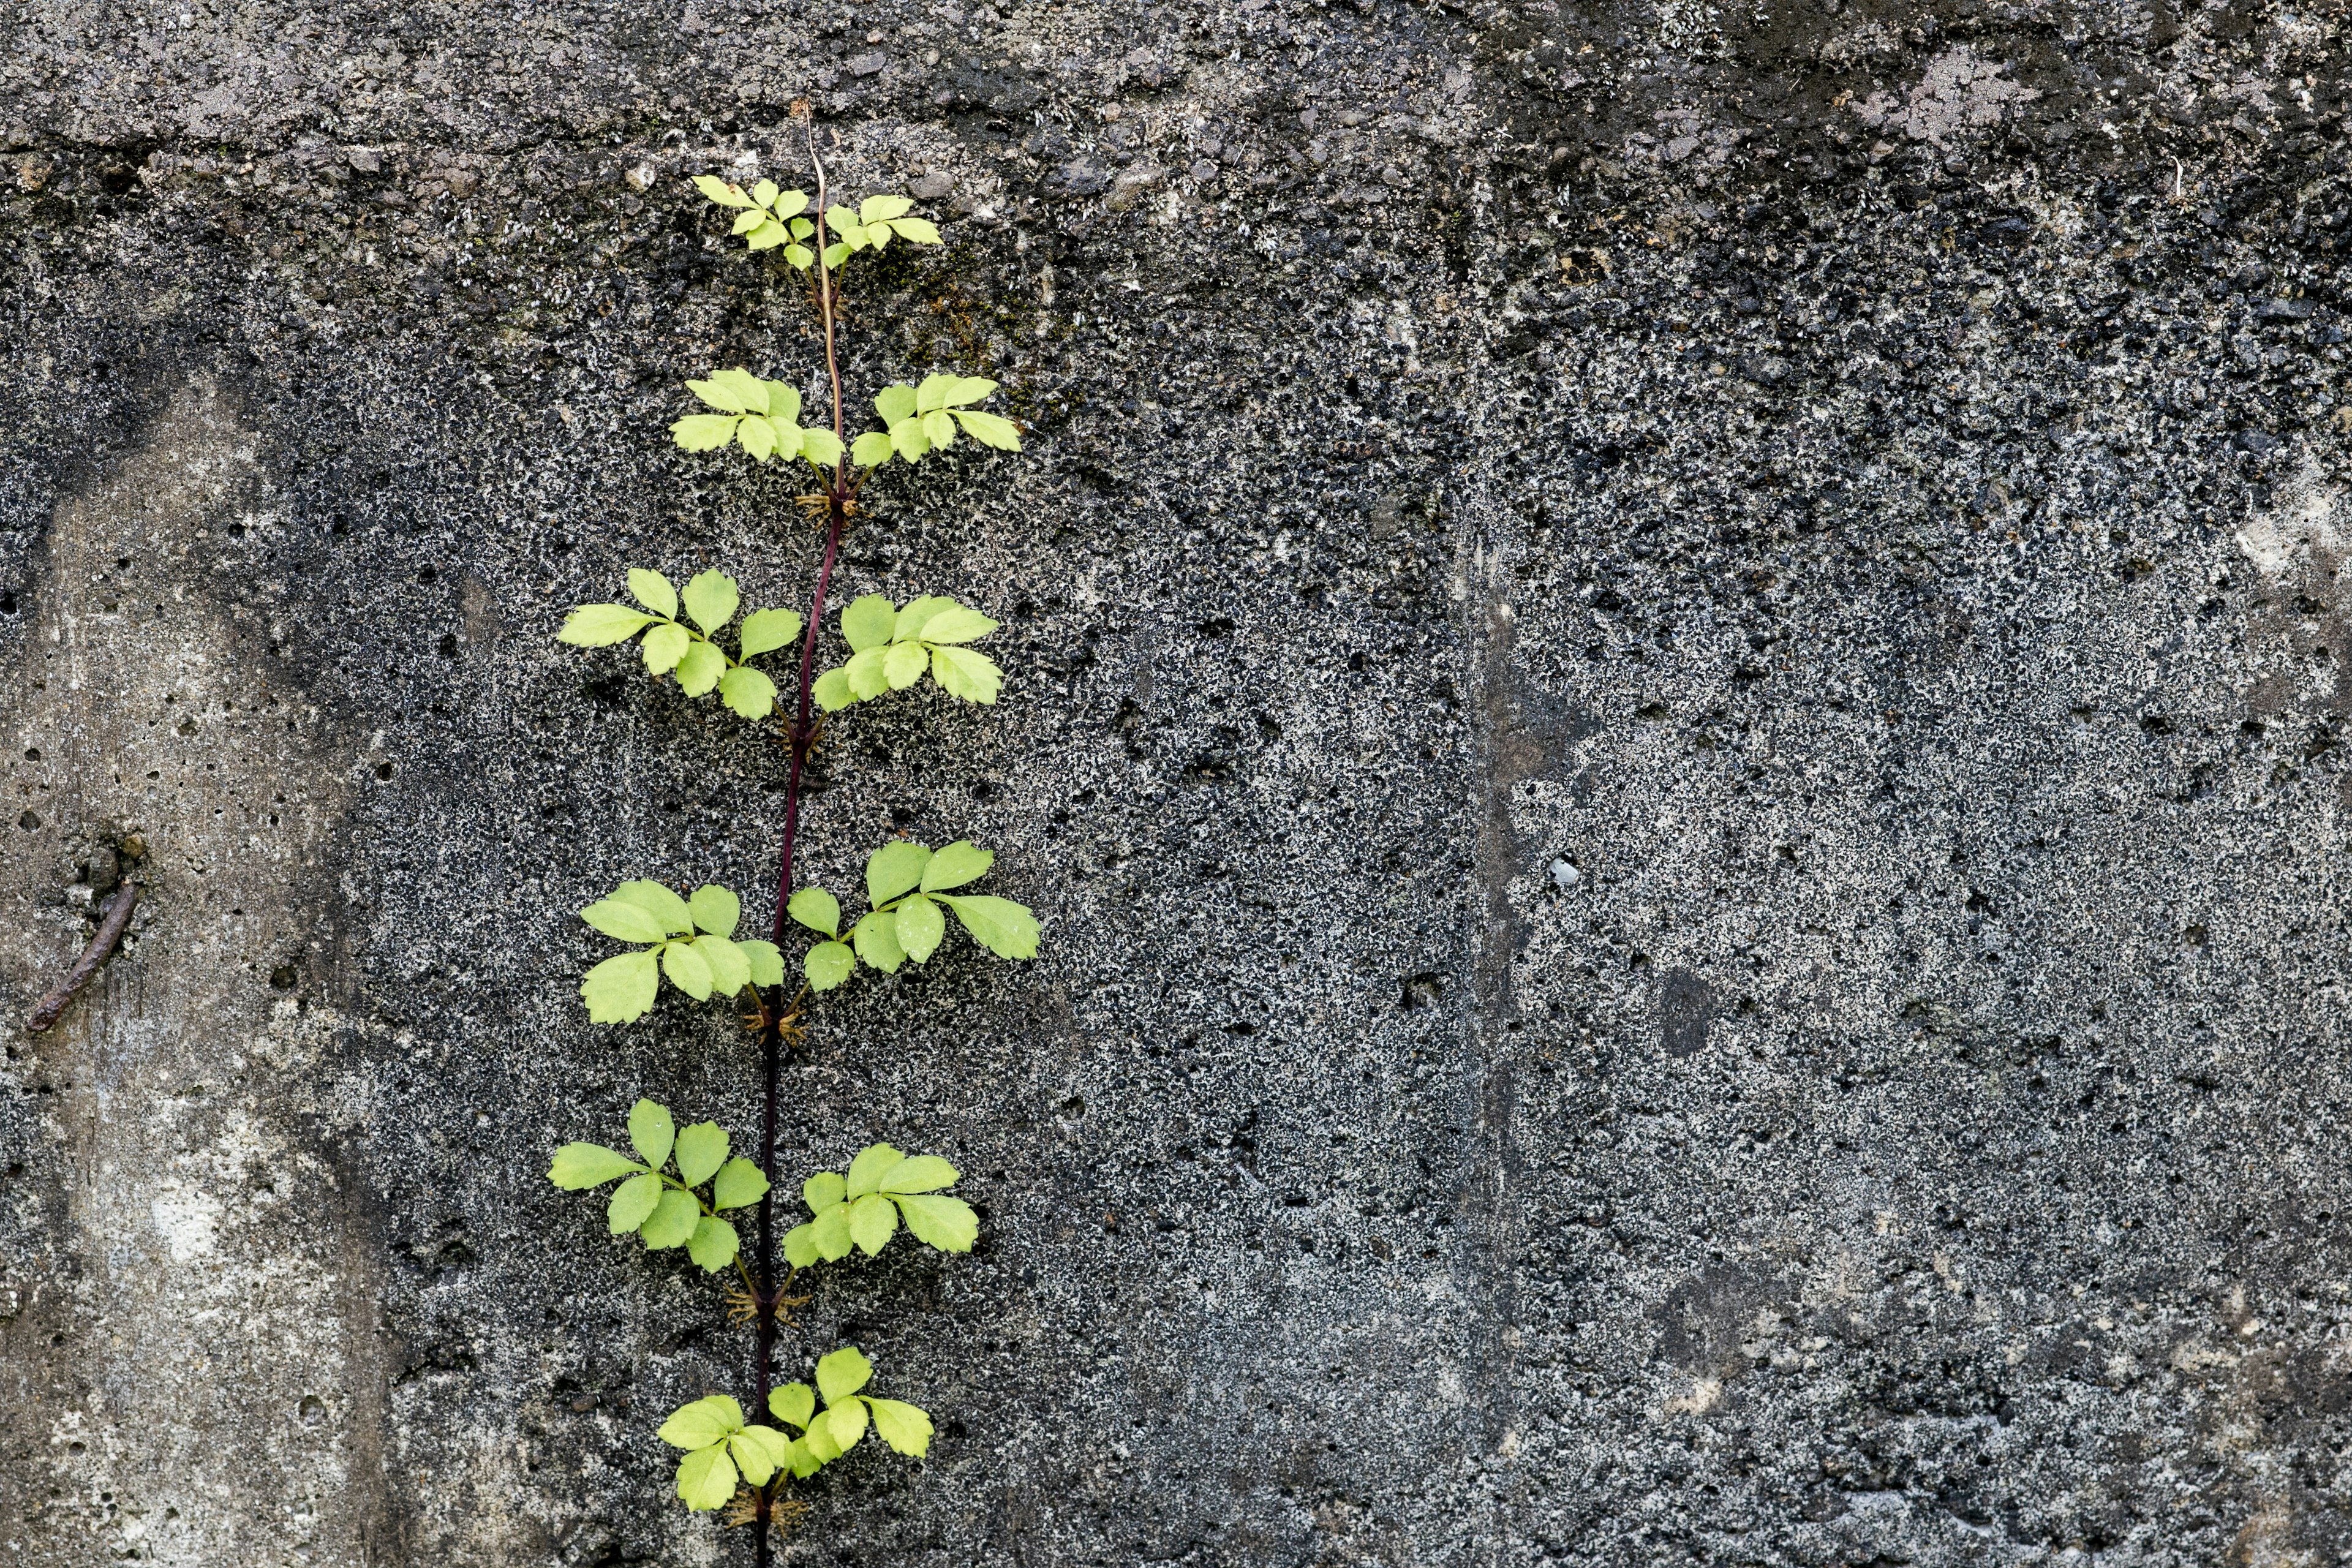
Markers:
<point>1686,1008</point>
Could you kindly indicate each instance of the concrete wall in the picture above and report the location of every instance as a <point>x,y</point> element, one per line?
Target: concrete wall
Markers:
<point>1675,705</point>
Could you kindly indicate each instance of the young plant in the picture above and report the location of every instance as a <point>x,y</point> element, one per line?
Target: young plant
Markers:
<point>684,1183</point>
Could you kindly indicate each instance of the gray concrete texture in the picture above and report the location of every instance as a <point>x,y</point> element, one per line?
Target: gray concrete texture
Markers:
<point>1676,708</point>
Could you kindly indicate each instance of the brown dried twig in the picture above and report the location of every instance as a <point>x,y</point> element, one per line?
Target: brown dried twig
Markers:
<point>109,931</point>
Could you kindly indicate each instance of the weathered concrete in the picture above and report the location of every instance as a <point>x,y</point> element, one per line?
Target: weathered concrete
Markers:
<point>1676,706</point>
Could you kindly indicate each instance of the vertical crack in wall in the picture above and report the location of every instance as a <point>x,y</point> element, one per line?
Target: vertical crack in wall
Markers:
<point>191,1379</point>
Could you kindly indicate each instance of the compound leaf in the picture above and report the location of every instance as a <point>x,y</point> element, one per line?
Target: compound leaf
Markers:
<point>876,939</point>
<point>748,692</point>
<point>823,1190</point>
<point>920,927</point>
<point>672,1222</point>
<point>578,1166</point>
<point>706,1479</point>
<point>966,673</point>
<point>917,1173</point>
<point>817,910</point>
<point>842,1373</point>
<point>902,665</point>
<point>713,1244</point>
<point>956,863</point>
<point>766,630</point>
<point>867,622</point>
<point>957,625</point>
<point>767,964</point>
<point>715,910</point>
<point>652,1131</point>
<point>701,1149</point>
<point>622,921</point>
<point>621,989</point>
<point>1006,929</point>
<point>832,691</point>
<point>943,1223</point>
<point>828,963</point>
<point>893,869</point>
<point>688,970</point>
<point>632,1203</point>
<point>601,625</point>
<point>659,902</point>
<point>652,590</point>
<point>707,1420</point>
<point>700,669</point>
<point>665,646</point>
<point>872,1222</point>
<point>793,1404</point>
<point>906,1428</point>
<point>711,598</point>
<point>741,1183</point>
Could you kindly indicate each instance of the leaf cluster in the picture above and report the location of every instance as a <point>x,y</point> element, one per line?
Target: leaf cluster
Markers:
<point>761,417</point>
<point>905,886</point>
<point>658,1201</point>
<point>862,1207</point>
<point>768,217</point>
<point>670,645</point>
<point>827,1435</point>
<point>923,419</point>
<point>690,940</point>
<point>891,647</point>
<point>721,1448</point>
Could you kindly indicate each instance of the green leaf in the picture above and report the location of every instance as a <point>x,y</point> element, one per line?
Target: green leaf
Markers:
<point>767,237</point>
<point>830,1231</point>
<point>909,439</point>
<point>800,1246</point>
<point>736,390</point>
<point>578,1166</point>
<point>700,668</point>
<point>713,1244</point>
<point>758,437</point>
<point>865,673</point>
<point>665,646</point>
<point>767,964</point>
<point>876,235</point>
<point>746,221</point>
<point>822,448</point>
<point>740,1184</point>
<point>895,403</point>
<point>818,1441</point>
<point>621,989</point>
<point>877,941</point>
<point>842,1373</point>
<point>817,910</point>
<point>652,1130</point>
<point>707,1420</point>
<point>799,255</point>
<point>917,614</point>
<point>659,902</point>
<point>871,450</point>
<point>748,692</point>
<point>920,927</point>
<point>793,1404</point>
<point>764,192</point>
<point>904,1426</point>
<point>711,598</point>
<point>601,625</point>
<point>828,963</point>
<point>945,1225</point>
<point>956,863</point>
<point>839,218</point>
<point>823,1190</point>
<point>957,626</point>
<point>867,622</point>
<point>755,1456</point>
<point>935,391</point>
<point>715,910</point>
<point>902,664</point>
<point>874,209</point>
<point>917,1173</point>
<point>706,1479</point>
<point>990,430</point>
<point>729,970</point>
<point>804,1460</point>
<point>765,630</point>
<point>922,231</point>
<point>872,1222</point>
<point>1004,928</point>
<point>703,432</point>
<point>688,971</point>
<point>673,1222</point>
<point>787,202</point>
<point>893,869</point>
<point>835,253</point>
<point>720,190</point>
<point>843,1424</point>
<point>938,429</point>
<point>701,1150</point>
<point>832,691</point>
<point>622,921</point>
<point>633,1203</point>
<point>652,590</point>
<point>866,1172</point>
<point>967,673</point>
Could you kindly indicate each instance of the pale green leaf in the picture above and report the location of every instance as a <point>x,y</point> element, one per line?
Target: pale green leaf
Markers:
<point>895,403</point>
<point>578,1166</point>
<point>966,673</point>
<point>910,440</point>
<point>758,437</point>
<point>665,646</point>
<point>793,1404</point>
<point>767,237</point>
<point>943,1223</point>
<point>871,448</point>
<point>823,1190</point>
<point>740,1184</point>
<point>767,964</point>
<point>751,1454</point>
<point>876,235</point>
<point>703,432</point>
<point>956,863</point>
<point>999,925</point>
<point>873,1163</point>
<point>701,1150</point>
<point>934,391</point>
<point>838,218</point>
<point>700,668</point>
<point>730,971</point>
<point>874,209</point>
<point>673,1222</point>
<point>877,939</point>
<point>918,1173</point>
<point>652,590</point>
<point>970,389</point>
<point>843,1424</point>
<point>939,429</point>
<point>867,674</point>
<point>624,921</point>
<point>990,430</point>
<point>818,1441</point>
<point>715,910</point>
<point>652,1130</point>
<point>800,255</point>
<point>906,1428</point>
<point>804,1459</point>
<point>600,625</point>
<point>764,192</point>
<point>747,392</point>
<point>827,964</point>
<point>706,1479</point>
<point>957,626</point>
<point>748,692</point>
<point>784,406</point>
<point>633,1203</point>
<point>842,1373</point>
<point>659,902</point>
<point>707,1420</point>
<point>835,253</point>
<point>867,622</point>
<point>903,665</point>
<point>920,927</point>
<point>720,190</point>
<point>789,202</point>
<point>766,630</point>
<point>621,989</point>
<point>713,1244</point>
<point>917,614</point>
<point>893,869</point>
<point>921,230</point>
<point>832,691</point>
<point>817,910</point>
<point>711,599</point>
<point>722,394</point>
<point>872,1223</point>
<point>800,1246</point>
<point>830,1230</point>
<point>745,222</point>
<point>822,448</point>
<point>688,970</point>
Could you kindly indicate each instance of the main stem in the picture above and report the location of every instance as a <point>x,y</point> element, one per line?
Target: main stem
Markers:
<point>803,734</point>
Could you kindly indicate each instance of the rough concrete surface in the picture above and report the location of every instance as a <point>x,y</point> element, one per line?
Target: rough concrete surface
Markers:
<point>1676,707</point>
